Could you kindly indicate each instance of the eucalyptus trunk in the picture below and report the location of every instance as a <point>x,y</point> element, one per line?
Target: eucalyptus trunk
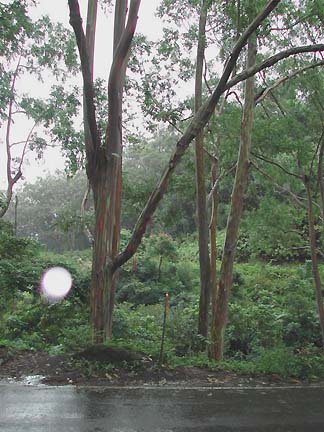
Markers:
<point>202,219</point>
<point>113,144</point>
<point>240,183</point>
<point>104,159</point>
<point>320,178</point>
<point>312,244</point>
<point>213,246</point>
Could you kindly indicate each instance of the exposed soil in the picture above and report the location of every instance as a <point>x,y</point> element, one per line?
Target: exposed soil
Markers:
<point>66,369</point>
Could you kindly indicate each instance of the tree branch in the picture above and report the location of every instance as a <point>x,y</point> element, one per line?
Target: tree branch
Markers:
<point>23,153</point>
<point>197,124</point>
<point>295,197</point>
<point>272,61</point>
<point>9,122</point>
<point>262,95</point>
<point>124,43</point>
<point>264,159</point>
<point>210,195</point>
<point>76,23</point>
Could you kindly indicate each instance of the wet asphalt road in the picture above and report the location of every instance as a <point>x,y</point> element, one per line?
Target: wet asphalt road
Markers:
<point>70,409</point>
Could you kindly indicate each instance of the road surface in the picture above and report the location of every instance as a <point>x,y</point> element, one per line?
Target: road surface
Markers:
<point>72,409</point>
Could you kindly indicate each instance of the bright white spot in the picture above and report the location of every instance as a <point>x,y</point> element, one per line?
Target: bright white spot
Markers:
<point>56,283</point>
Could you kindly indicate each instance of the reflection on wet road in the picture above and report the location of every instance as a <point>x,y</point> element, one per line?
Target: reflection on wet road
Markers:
<point>70,409</point>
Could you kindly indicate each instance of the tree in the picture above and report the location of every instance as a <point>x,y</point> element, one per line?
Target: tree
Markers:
<point>104,158</point>
<point>299,159</point>
<point>240,183</point>
<point>49,212</point>
<point>204,260</point>
<point>29,49</point>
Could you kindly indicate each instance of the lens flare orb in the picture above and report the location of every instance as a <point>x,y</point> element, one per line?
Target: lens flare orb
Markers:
<point>56,283</point>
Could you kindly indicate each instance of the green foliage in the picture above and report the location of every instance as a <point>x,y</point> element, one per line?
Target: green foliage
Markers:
<point>15,26</point>
<point>139,328</point>
<point>273,326</point>
<point>36,324</point>
<point>283,361</point>
<point>273,305</point>
<point>49,211</point>
<point>41,51</point>
<point>27,319</point>
<point>155,270</point>
<point>15,256</point>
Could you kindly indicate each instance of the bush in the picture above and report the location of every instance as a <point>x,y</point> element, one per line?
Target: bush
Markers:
<point>305,364</point>
<point>139,328</point>
<point>36,324</point>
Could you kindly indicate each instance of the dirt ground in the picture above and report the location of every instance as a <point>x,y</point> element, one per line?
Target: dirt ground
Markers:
<point>64,369</point>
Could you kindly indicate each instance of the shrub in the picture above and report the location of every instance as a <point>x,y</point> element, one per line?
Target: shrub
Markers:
<point>36,324</point>
<point>139,328</point>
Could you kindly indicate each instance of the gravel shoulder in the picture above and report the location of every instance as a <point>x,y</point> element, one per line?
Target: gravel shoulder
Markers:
<point>67,369</point>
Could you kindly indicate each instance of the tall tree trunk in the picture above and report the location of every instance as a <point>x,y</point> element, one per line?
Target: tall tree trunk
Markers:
<point>96,291</point>
<point>90,46</point>
<point>114,156</point>
<point>312,244</point>
<point>233,221</point>
<point>104,159</point>
<point>100,277</point>
<point>213,245</point>
<point>320,178</point>
<point>202,219</point>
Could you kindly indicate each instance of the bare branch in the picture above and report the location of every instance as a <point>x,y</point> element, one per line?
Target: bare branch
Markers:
<point>84,204</point>
<point>9,122</point>
<point>272,61</point>
<point>23,153</point>
<point>261,96</point>
<point>236,97</point>
<point>295,197</point>
<point>264,159</point>
<point>215,185</point>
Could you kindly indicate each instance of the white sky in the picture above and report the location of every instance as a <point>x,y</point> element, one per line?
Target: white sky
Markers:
<point>58,11</point>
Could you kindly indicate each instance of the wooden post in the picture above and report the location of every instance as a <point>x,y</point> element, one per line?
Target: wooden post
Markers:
<point>166,308</point>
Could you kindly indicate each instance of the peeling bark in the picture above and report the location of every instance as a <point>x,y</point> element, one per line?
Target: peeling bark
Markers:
<point>313,250</point>
<point>233,221</point>
<point>213,246</point>
<point>320,178</point>
<point>104,159</point>
<point>202,219</point>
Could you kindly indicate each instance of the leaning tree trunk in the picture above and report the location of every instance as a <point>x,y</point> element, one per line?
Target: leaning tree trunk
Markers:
<point>312,244</point>
<point>202,220</point>
<point>226,271</point>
